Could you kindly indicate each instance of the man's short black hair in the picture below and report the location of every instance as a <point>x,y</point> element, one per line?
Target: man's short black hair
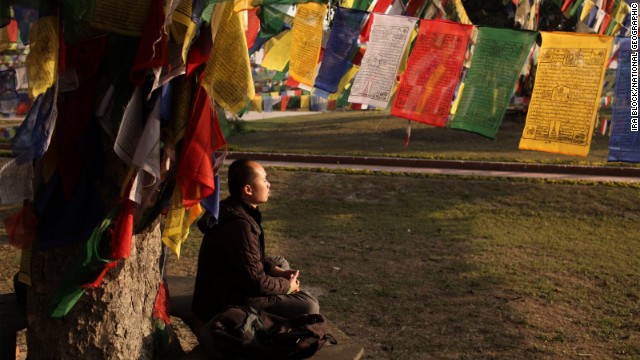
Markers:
<point>240,174</point>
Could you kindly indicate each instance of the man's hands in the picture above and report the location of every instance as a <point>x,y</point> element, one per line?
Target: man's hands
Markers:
<point>291,275</point>
<point>294,283</point>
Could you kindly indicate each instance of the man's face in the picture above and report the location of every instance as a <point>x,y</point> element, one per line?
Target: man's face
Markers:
<point>257,191</point>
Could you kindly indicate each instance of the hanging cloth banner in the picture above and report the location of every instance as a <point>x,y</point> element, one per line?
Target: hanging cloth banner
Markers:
<point>274,19</point>
<point>306,42</point>
<point>336,59</point>
<point>433,70</point>
<point>252,26</point>
<point>35,132</point>
<point>178,222</point>
<point>497,60</point>
<point>380,8</point>
<point>195,167</point>
<point>374,82</point>
<point>227,75</point>
<point>86,270</point>
<point>625,142</point>
<point>16,182</point>
<point>152,50</point>
<point>276,51</point>
<point>566,97</point>
<point>42,62</point>
<point>121,16</point>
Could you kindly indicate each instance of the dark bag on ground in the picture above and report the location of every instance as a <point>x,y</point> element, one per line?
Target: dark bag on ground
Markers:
<point>245,333</point>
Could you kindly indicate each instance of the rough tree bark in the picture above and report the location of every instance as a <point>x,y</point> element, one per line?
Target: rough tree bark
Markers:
<point>113,321</point>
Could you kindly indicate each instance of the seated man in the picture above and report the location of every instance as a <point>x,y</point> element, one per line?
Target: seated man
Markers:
<point>232,266</point>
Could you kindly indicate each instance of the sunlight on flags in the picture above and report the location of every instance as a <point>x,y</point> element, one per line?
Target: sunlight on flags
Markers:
<point>566,96</point>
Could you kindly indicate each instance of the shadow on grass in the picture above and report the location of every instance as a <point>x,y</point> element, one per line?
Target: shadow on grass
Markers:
<point>439,268</point>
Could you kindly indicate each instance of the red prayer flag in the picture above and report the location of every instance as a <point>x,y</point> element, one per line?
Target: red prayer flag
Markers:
<point>433,69</point>
<point>152,51</point>
<point>12,31</point>
<point>21,227</point>
<point>162,306</point>
<point>284,101</point>
<point>605,24</point>
<point>203,136</point>
<point>123,232</point>
<point>199,51</point>
<point>253,27</point>
<point>98,280</point>
<point>380,8</point>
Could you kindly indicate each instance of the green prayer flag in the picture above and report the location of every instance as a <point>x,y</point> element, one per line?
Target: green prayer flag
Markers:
<point>84,269</point>
<point>361,4</point>
<point>496,64</point>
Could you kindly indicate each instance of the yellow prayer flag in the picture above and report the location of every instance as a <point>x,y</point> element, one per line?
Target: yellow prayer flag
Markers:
<point>456,101</point>
<point>121,16</point>
<point>256,103</point>
<point>4,39</point>
<point>181,20</point>
<point>344,82</point>
<point>190,35</point>
<point>304,103</point>
<point>227,75</point>
<point>566,96</point>
<point>241,5</point>
<point>588,5</point>
<point>177,223</point>
<point>277,51</point>
<point>462,13</point>
<point>306,41</point>
<point>42,61</point>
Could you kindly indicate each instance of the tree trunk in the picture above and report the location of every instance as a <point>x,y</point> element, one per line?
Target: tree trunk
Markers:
<point>113,321</point>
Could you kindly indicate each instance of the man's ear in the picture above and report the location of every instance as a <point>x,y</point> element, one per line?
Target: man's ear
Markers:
<point>247,190</point>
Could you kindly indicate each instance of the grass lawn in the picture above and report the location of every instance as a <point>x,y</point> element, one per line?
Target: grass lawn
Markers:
<point>424,267</point>
<point>374,133</point>
<point>431,267</point>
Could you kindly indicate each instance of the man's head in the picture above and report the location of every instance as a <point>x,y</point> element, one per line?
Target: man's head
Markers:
<point>248,182</point>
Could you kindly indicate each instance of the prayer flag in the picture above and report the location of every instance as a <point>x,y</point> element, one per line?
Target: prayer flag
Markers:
<point>433,70</point>
<point>202,138</point>
<point>16,182</point>
<point>341,45</point>
<point>624,144</point>
<point>122,16</point>
<point>178,222</point>
<point>380,8</point>
<point>306,40</point>
<point>495,67</point>
<point>152,50</point>
<point>42,62</point>
<point>199,51</point>
<point>227,75</point>
<point>86,270</point>
<point>123,231</point>
<point>33,137</point>
<point>277,51</point>
<point>253,26</point>
<point>21,227</point>
<point>273,20</point>
<point>374,82</point>
<point>565,99</point>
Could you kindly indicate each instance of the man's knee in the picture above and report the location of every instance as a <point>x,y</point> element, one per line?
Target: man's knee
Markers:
<point>310,301</point>
<point>281,262</point>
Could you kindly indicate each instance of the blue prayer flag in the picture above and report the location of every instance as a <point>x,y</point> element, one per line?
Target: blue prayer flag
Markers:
<point>341,45</point>
<point>624,144</point>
